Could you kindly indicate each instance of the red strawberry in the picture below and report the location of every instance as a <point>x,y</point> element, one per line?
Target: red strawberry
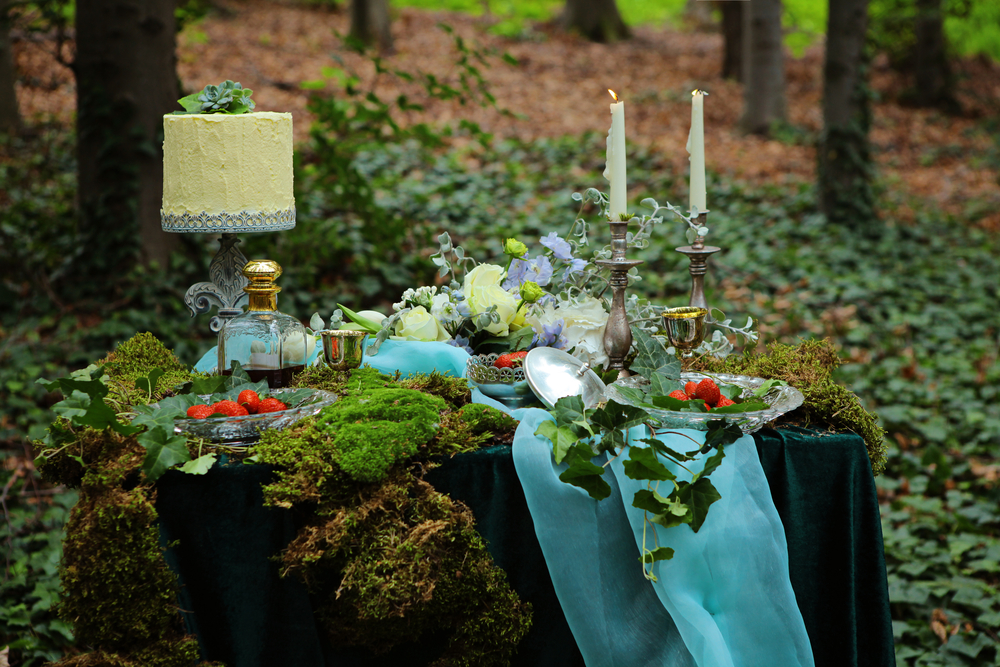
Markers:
<point>199,411</point>
<point>707,391</point>
<point>271,405</point>
<point>679,395</point>
<point>510,360</point>
<point>229,408</point>
<point>723,402</point>
<point>249,399</point>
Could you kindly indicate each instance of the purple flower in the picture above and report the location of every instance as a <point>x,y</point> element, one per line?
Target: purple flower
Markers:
<point>559,247</point>
<point>551,336</point>
<point>538,270</point>
<point>576,265</point>
<point>460,341</point>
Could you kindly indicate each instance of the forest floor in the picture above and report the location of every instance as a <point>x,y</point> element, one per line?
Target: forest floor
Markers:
<point>924,157</point>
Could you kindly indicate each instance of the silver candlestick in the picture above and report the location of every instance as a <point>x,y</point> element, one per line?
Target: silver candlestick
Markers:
<point>617,333</point>
<point>698,254</point>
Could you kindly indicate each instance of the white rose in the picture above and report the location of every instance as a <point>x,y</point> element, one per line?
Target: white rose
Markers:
<point>484,297</point>
<point>418,324</point>
<point>585,320</point>
<point>484,275</point>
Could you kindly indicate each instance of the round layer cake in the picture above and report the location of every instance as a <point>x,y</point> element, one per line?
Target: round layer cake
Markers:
<point>227,173</point>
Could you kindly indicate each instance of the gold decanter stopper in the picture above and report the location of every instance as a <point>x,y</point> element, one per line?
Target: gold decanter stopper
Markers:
<point>263,292</point>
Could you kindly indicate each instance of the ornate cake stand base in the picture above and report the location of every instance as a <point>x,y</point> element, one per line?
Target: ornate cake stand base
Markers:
<point>226,289</point>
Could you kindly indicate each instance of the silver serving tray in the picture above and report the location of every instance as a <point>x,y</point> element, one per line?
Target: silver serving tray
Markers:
<point>780,400</point>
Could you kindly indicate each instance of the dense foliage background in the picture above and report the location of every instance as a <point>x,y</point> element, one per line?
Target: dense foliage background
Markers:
<point>912,305</point>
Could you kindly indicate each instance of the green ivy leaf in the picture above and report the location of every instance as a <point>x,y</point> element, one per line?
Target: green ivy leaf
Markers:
<point>569,410</point>
<point>698,496</point>
<point>750,405</point>
<point>660,385</point>
<point>203,385</point>
<point>666,451</point>
<point>160,417</point>
<point>721,433</point>
<point>676,404</point>
<point>660,553</point>
<point>585,474</point>
<point>652,358</point>
<point>635,396</point>
<point>711,463</point>
<point>163,452</point>
<point>83,410</point>
<point>561,437</point>
<point>148,383</point>
<point>650,501</point>
<point>643,464</point>
<point>200,465</point>
<point>614,416</point>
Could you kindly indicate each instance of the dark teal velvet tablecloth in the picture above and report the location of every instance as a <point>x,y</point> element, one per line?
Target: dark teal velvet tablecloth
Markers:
<point>224,543</point>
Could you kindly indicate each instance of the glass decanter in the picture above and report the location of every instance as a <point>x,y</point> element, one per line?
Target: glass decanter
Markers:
<point>267,343</point>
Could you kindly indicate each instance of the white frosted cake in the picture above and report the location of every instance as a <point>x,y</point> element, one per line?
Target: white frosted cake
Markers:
<point>227,172</point>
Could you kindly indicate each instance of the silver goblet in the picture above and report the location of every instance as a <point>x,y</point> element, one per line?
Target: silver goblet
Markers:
<point>685,326</point>
<point>343,349</point>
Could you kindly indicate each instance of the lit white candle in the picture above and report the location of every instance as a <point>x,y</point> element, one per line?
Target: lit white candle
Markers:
<point>614,170</point>
<point>696,147</point>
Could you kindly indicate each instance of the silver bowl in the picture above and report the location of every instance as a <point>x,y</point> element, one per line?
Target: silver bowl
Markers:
<point>780,400</point>
<point>507,385</point>
<point>247,429</point>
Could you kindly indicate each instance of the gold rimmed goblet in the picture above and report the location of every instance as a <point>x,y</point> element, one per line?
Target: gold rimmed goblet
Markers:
<point>685,326</point>
<point>343,349</point>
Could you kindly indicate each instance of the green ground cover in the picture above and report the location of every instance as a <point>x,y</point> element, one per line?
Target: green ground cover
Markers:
<point>912,307</point>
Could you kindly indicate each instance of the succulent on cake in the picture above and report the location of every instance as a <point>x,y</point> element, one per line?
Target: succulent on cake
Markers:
<point>228,97</point>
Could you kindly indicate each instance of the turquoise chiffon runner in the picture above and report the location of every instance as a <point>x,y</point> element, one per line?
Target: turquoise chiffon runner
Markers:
<point>724,600</point>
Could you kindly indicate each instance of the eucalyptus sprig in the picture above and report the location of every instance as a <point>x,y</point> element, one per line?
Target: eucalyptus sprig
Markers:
<point>228,97</point>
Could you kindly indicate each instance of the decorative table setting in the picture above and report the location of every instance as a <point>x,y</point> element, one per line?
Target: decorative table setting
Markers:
<point>521,464</point>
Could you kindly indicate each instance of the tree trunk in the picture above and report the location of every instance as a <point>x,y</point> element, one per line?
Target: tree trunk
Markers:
<point>844,155</point>
<point>10,117</point>
<point>764,67</point>
<point>932,75</point>
<point>370,23</point>
<point>732,33</point>
<point>126,80</point>
<point>597,20</point>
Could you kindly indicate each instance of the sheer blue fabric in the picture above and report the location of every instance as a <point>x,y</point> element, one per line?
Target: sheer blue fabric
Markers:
<point>726,591</point>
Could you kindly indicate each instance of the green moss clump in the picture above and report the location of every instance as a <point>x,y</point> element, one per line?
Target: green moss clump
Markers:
<point>182,653</point>
<point>357,381</point>
<point>472,427</point>
<point>400,560</point>
<point>808,367</point>
<point>371,432</point>
<point>482,418</point>
<point>135,358</point>
<point>119,594</point>
<point>454,390</point>
<point>72,451</point>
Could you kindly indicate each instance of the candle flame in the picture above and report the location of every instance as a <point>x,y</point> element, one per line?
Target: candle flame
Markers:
<point>697,91</point>
<point>613,94</point>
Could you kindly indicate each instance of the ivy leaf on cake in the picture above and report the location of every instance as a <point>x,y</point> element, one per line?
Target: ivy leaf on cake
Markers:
<point>228,97</point>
